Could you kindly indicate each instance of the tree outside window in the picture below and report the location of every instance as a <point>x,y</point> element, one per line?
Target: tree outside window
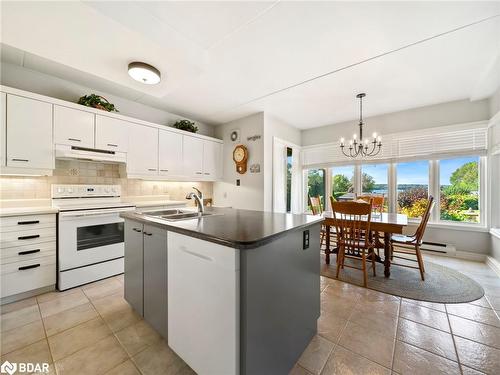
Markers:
<point>342,181</point>
<point>459,189</point>
<point>412,188</point>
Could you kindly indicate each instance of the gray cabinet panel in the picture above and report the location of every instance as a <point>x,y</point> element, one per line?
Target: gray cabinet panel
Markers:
<point>134,265</point>
<point>155,279</point>
<point>280,302</point>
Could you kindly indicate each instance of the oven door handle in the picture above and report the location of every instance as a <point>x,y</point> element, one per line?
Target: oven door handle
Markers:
<point>94,213</point>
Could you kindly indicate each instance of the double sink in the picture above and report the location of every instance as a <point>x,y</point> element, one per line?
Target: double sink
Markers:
<point>177,215</point>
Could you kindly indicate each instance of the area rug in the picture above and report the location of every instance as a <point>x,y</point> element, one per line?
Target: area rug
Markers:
<point>441,285</point>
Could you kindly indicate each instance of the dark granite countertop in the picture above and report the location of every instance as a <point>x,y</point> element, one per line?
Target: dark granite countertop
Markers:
<point>241,229</point>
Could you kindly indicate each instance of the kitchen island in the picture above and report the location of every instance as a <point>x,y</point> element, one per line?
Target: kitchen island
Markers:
<point>233,292</point>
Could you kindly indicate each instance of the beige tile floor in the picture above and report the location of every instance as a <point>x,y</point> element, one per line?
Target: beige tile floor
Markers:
<point>92,330</point>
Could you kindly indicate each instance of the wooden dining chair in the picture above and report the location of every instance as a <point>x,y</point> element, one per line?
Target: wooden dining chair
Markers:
<point>410,245</point>
<point>352,222</point>
<point>317,209</point>
<point>378,201</point>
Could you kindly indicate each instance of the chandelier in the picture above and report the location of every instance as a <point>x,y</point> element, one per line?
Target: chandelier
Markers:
<point>361,147</point>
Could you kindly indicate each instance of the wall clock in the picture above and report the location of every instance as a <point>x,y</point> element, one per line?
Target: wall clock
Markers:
<point>240,157</point>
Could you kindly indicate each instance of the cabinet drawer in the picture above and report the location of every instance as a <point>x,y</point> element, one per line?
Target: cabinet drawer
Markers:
<point>28,237</point>
<point>27,252</point>
<point>29,275</point>
<point>21,223</point>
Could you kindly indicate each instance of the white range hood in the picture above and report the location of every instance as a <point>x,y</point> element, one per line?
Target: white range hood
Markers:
<point>89,154</point>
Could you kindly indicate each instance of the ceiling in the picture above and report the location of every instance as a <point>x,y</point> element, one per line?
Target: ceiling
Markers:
<point>302,62</point>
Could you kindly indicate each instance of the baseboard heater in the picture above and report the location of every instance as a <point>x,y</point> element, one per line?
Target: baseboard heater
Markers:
<point>438,248</point>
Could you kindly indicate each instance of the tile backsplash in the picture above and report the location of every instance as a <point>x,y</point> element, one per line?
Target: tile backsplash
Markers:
<point>80,172</point>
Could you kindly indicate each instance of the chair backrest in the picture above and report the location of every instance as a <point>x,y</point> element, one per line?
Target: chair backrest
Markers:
<point>352,222</point>
<point>315,203</point>
<point>377,201</point>
<point>419,234</point>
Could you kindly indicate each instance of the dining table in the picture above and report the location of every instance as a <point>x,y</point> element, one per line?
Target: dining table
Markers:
<point>386,223</point>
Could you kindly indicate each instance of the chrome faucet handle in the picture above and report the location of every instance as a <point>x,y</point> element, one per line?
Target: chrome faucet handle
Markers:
<point>200,194</point>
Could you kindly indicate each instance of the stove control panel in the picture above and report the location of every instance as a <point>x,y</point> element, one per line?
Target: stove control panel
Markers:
<point>83,191</point>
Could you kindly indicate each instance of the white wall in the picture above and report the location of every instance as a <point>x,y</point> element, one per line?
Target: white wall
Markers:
<point>461,111</point>
<point>250,194</point>
<point>274,127</point>
<point>33,81</point>
<point>494,144</point>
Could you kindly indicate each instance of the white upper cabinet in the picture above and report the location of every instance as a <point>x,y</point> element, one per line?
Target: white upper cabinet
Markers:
<point>73,127</point>
<point>212,159</point>
<point>3,129</point>
<point>170,154</point>
<point>142,156</point>
<point>29,133</point>
<point>192,155</point>
<point>111,134</point>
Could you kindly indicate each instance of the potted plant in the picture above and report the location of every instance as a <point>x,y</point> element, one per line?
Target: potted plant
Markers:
<point>186,125</point>
<point>97,101</point>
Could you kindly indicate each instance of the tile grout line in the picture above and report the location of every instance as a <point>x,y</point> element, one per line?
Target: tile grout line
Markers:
<point>396,337</point>
<point>453,338</point>
<point>129,357</point>
<point>46,337</point>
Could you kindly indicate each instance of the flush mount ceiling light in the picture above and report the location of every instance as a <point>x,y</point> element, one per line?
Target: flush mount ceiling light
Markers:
<point>359,146</point>
<point>144,73</point>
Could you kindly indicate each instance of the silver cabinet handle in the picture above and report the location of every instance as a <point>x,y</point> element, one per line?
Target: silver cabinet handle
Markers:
<point>137,230</point>
<point>151,169</point>
<point>74,139</point>
<point>112,145</point>
<point>24,160</point>
<point>204,257</point>
<point>199,173</point>
<point>206,173</point>
<point>163,170</point>
<point>148,234</point>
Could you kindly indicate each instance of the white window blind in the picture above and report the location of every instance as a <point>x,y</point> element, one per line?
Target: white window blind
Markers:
<point>425,143</point>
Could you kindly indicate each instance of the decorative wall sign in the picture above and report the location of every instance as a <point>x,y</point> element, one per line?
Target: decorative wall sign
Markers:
<point>255,168</point>
<point>253,138</point>
<point>235,135</point>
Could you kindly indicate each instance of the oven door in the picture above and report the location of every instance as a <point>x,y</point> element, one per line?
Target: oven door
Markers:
<point>90,237</point>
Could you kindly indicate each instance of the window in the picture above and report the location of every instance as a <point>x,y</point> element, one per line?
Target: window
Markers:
<point>374,180</point>
<point>412,188</point>
<point>459,189</point>
<point>342,181</point>
<point>316,184</point>
<point>288,179</point>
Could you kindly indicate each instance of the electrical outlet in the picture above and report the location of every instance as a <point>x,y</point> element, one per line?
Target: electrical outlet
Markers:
<point>238,182</point>
<point>305,239</point>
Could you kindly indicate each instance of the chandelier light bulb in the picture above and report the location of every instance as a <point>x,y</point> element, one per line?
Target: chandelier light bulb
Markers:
<point>342,140</point>
<point>374,135</point>
<point>354,136</point>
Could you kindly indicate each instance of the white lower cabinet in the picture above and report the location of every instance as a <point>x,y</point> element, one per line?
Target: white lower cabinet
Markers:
<point>28,253</point>
<point>203,304</point>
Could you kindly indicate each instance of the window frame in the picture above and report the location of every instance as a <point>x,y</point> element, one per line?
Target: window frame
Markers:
<point>434,189</point>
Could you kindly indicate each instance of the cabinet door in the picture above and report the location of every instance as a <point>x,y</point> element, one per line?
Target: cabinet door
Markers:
<point>134,265</point>
<point>29,133</point>
<point>142,156</point>
<point>170,153</point>
<point>73,127</point>
<point>203,304</point>
<point>111,134</point>
<point>155,279</point>
<point>3,129</point>
<point>212,159</point>
<point>192,156</point>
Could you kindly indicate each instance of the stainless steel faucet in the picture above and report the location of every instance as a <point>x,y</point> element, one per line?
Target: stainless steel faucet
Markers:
<point>199,199</point>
